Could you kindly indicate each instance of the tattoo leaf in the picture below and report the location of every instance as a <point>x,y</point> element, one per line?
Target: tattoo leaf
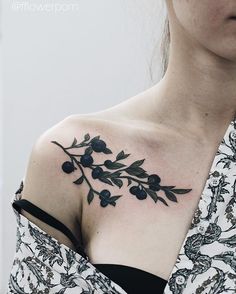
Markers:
<point>112,200</point>
<point>117,182</point>
<point>171,196</point>
<point>105,180</point>
<point>142,175</point>
<point>115,174</point>
<point>79,180</point>
<point>162,200</point>
<point>107,151</point>
<point>88,150</point>
<point>96,138</point>
<point>121,155</point>
<point>105,174</point>
<point>129,182</point>
<point>167,187</point>
<point>74,142</point>
<point>152,194</point>
<point>86,137</point>
<point>181,191</point>
<point>114,165</point>
<point>136,163</point>
<point>90,196</point>
<point>137,171</point>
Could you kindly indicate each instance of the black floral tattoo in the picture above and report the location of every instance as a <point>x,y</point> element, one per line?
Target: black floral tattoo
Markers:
<point>115,173</point>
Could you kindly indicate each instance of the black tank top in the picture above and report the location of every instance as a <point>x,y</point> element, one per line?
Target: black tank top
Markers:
<point>132,280</point>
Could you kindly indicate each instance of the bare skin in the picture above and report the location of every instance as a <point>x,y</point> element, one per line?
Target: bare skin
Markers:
<point>142,233</point>
<point>177,126</point>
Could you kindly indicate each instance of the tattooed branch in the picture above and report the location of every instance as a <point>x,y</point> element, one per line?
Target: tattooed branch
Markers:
<point>142,184</point>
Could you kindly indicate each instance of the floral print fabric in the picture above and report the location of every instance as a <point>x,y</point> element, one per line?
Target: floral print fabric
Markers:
<point>206,263</point>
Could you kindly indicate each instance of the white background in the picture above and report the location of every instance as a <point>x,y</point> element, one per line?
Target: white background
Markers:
<point>57,63</point>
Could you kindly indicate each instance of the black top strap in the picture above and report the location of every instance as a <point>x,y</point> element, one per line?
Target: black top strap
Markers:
<point>50,220</point>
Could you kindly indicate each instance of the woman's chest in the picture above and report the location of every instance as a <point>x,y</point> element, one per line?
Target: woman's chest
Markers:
<point>140,212</point>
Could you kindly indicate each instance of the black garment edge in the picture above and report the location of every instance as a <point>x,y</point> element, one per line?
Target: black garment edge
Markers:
<point>50,220</point>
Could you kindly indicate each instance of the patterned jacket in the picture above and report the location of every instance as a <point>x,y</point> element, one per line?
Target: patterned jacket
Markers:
<point>206,262</point>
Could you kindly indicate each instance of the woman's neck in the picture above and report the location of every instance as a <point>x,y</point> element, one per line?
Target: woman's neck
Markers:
<point>197,93</point>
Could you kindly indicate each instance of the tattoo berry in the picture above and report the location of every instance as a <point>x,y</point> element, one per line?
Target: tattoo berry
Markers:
<point>86,160</point>
<point>107,163</point>
<point>141,194</point>
<point>97,171</point>
<point>155,187</point>
<point>68,167</point>
<point>153,182</point>
<point>103,203</point>
<point>104,194</point>
<point>98,145</point>
<point>133,190</point>
<point>154,179</point>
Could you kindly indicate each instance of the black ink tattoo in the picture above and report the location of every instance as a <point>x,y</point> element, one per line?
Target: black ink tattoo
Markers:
<point>135,173</point>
